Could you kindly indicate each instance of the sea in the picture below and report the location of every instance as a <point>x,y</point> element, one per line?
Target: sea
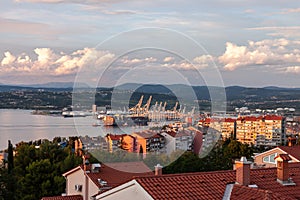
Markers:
<point>20,125</point>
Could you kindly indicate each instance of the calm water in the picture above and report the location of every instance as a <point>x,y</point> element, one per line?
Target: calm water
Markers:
<point>21,125</point>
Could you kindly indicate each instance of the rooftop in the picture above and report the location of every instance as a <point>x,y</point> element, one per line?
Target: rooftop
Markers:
<point>212,185</point>
<point>146,134</point>
<point>70,197</point>
<point>292,151</point>
<point>114,177</point>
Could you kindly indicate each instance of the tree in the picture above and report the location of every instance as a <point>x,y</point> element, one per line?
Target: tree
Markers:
<point>10,157</point>
<point>141,152</point>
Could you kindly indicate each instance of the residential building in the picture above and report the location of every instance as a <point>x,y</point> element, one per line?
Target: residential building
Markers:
<point>89,180</point>
<point>260,131</point>
<point>225,126</point>
<point>246,129</point>
<point>244,183</point>
<point>267,158</point>
<point>129,143</point>
<point>178,140</point>
<point>113,141</point>
<point>149,141</point>
<point>265,130</point>
<point>228,128</point>
<point>92,143</point>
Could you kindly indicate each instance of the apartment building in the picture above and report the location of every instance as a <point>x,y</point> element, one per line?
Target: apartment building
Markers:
<point>263,130</point>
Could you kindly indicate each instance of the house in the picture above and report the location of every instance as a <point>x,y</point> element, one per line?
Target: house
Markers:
<point>90,179</point>
<point>267,159</point>
<point>244,183</point>
<point>113,141</point>
<point>178,140</point>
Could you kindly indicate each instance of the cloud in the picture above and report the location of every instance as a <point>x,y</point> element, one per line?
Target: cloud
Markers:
<point>293,69</point>
<point>136,61</point>
<point>277,52</point>
<point>168,59</point>
<point>51,63</point>
<point>8,59</point>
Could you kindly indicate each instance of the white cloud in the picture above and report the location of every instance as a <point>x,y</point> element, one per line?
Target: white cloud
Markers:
<point>50,63</point>
<point>134,61</point>
<point>266,52</point>
<point>8,59</point>
<point>168,59</point>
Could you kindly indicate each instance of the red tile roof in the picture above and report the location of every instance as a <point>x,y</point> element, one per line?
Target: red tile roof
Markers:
<point>293,151</point>
<point>247,118</point>
<point>69,197</point>
<point>115,137</point>
<point>132,167</point>
<point>272,117</point>
<point>229,120</point>
<point>179,133</point>
<point>243,192</point>
<point>211,185</point>
<point>114,177</point>
<point>146,134</point>
<point>207,185</point>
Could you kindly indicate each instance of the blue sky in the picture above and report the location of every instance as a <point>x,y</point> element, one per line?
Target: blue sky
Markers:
<point>250,43</point>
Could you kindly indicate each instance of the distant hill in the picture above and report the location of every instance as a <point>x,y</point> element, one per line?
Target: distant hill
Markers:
<point>58,85</point>
<point>236,96</point>
<point>241,95</point>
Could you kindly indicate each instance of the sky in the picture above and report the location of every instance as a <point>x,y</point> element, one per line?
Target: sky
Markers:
<point>107,42</point>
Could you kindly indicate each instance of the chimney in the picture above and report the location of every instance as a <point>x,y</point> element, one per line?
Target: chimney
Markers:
<point>243,171</point>
<point>158,170</point>
<point>86,163</point>
<point>283,169</point>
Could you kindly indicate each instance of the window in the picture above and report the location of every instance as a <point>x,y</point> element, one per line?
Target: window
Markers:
<point>78,188</point>
<point>270,158</point>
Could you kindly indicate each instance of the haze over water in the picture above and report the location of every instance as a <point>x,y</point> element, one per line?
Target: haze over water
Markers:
<point>21,125</point>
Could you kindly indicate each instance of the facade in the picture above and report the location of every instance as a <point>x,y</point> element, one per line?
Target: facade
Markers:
<point>246,129</point>
<point>260,131</point>
<point>226,126</point>
<point>267,130</point>
<point>113,141</point>
<point>180,140</point>
<point>267,159</point>
<point>149,141</point>
<point>129,143</point>
<point>92,143</point>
